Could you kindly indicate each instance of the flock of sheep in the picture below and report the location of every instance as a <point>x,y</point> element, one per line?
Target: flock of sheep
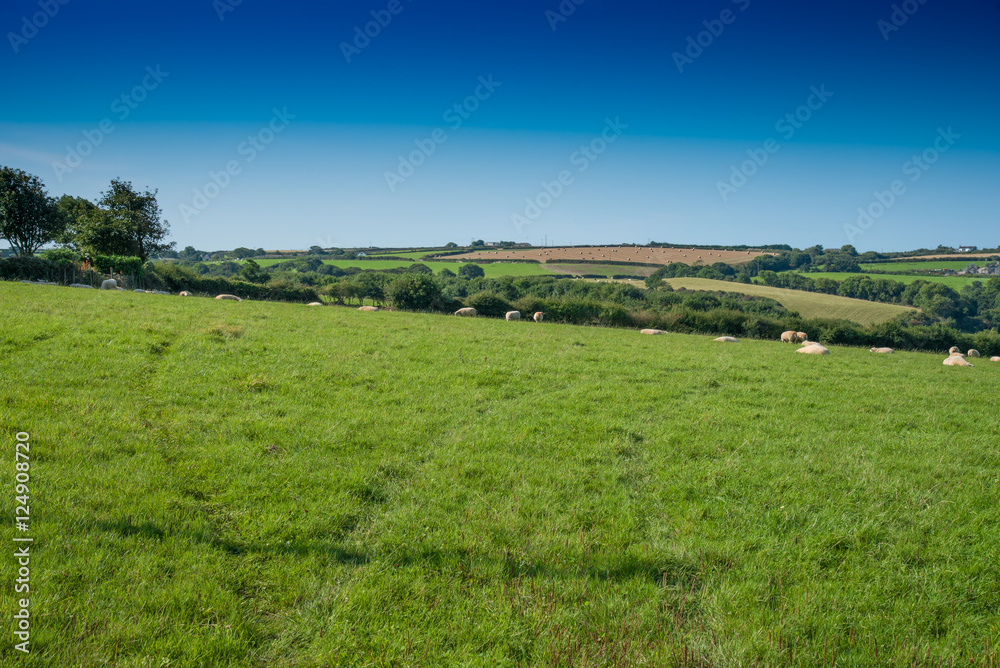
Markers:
<point>955,356</point>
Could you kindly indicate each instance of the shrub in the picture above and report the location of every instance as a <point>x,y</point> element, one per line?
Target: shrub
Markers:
<point>471,271</point>
<point>413,292</point>
<point>489,304</point>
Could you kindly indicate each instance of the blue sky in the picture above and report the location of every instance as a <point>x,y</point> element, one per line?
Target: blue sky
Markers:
<point>259,127</point>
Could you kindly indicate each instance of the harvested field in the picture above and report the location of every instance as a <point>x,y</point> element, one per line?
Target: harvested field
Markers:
<point>639,254</point>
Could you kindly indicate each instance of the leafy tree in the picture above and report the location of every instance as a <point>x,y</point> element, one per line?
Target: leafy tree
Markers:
<point>413,292</point>
<point>446,272</point>
<point>191,253</point>
<point>451,244</point>
<point>471,271</point>
<point>479,242</point>
<point>124,222</point>
<point>29,218</point>
<point>243,253</point>
<point>316,250</point>
<point>254,273</point>
<point>420,268</point>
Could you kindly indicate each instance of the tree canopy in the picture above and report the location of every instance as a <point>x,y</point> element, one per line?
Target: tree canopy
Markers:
<point>29,218</point>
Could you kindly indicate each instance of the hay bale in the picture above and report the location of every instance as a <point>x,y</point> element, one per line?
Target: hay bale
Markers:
<point>727,339</point>
<point>652,331</point>
<point>957,360</point>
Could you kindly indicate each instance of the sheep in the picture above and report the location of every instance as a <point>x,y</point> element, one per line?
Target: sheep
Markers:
<point>538,317</point>
<point>510,316</point>
<point>232,298</point>
<point>109,284</point>
<point>368,308</point>
<point>314,304</point>
<point>652,331</point>
<point>802,336</point>
<point>184,293</point>
<point>974,353</point>
<point>995,359</point>
<point>883,350</point>
<point>813,349</point>
<point>956,360</point>
<point>953,350</point>
<point>789,337</point>
<point>466,312</point>
<point>727,339</point>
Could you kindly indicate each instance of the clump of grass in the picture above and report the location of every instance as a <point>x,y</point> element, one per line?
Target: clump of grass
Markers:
<point>224,332</point>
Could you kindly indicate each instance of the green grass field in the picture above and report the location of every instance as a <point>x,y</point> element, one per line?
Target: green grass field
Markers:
<point>955,282</point>
<point>261,484</point>
<point>930,265</point>
<point>808,304</point>
<point>492,270</point>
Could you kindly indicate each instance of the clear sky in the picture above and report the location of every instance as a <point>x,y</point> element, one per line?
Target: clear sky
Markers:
<point>283,125</point>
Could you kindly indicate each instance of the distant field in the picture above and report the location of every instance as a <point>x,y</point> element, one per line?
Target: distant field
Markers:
<point>621,254</point>
<point>921,266</point>
<point>406,255</point>
<point>492,270</point>
<point>808,304</point>
<point>956,282</point>
<point>970,256</point>
<point>249,485</point>
<point>598,269</point>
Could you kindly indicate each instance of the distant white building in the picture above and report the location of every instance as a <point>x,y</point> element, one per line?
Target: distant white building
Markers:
<point>967,249</point>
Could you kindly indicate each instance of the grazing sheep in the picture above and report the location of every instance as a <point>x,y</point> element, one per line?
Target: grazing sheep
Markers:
<point>802,336</point>
<point>538,317</point>
<point>727,339</point>
<point>184,293</point>
<point>652,331</point>
<point>956,360</point>
<point>232,298</point>
<point>368,308</point>
<point>995,359</point>
<point>512,315</point>
<point>789,337</point>
<point>109,284</point>
<point>466,312</point>
<point>814,349</point>
<point>974,353</point>
<point>883,350</point>
<point>314,304</point>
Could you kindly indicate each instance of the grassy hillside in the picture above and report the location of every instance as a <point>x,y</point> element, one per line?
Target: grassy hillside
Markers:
<point>262,484</point>
<point>956,265</point>
<point>808,304</point>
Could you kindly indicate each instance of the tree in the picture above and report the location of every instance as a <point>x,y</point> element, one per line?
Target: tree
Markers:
<point>446,272</point>
<point>489,304</point>
<point>420,268</point>
<point>479,242</point>
<point>451,244</point>
<point>124,222</point>
<point>316,250</point>
<point>29,218</point>
<point>471,271</point>
<point>254,273</point>
<point>413,292</point>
